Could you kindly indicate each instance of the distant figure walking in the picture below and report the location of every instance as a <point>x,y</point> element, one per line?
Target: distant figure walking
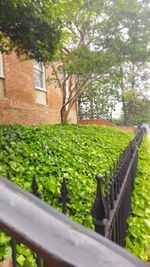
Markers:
<point>145,126</point>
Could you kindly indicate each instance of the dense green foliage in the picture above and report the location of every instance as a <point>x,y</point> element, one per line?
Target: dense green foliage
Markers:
<point>86,39</point>
<point>131,80</point>
<point>143,113</point>
<point>138,236</point>
<point>30,27</point>
<point>103,35</point>
<point>98,101</point>
<point>54,152</point>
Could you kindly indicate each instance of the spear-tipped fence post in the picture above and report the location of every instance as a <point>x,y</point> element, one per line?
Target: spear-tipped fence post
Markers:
<point>37,194</point>
<point>112,193</point>
<point>132,147</point>
<point>115,184</point>
<point>100,210</point>
<point>35,187</point>
<point>8,175</point>
<point>64,199</point>
<point>13,248</point>
<point>106,190</point>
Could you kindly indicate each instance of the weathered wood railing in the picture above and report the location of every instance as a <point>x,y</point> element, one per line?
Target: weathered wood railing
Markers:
<point>59,241</point>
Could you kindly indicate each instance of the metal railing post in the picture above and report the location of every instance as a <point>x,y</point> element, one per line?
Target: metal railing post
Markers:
<point>100,210</point>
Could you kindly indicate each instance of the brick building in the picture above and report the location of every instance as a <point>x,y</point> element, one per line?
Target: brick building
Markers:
<point>25,96</point>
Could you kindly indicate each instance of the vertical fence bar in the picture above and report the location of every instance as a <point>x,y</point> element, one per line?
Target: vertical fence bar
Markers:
<point>100,209</point>
<point>37,194</point>
<point>64,199</point>
<point>121,224</point>
<point>35,187</point>
<point>107,192</point>
<point>13,247</point>
<point>38,261</point>
<point>111,189</point>
<point>115,181</point>
<point>112,209</point>
<point>113,234</point>
<point>8,176</point>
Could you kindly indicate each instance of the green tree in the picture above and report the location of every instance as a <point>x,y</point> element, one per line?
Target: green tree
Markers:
<point>30,27</point>
<point>131,80</point>
<point>142,114</point>
<point>101,35</point>
<point>98,100</point>
<point>94,37</point>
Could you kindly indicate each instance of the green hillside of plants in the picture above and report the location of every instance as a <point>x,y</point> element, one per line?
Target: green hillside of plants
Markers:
<point>138,236</point>
<point>54,152</point>
<point>77,153</point>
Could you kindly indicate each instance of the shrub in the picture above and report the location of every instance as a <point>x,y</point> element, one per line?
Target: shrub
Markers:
<point>51,153</point>
<point>138,235</point>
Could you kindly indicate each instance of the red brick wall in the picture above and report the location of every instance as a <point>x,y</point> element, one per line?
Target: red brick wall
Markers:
<point>96,122</point>
<point>107,123</point>
<point>19,104</point>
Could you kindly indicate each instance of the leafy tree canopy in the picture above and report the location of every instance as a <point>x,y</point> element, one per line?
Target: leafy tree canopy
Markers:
<point>98,100</point>
<point>30,27</point>
<point>93,37</point>
<point>100,35</point>
<point>144,113</point>
<point>132,83</point>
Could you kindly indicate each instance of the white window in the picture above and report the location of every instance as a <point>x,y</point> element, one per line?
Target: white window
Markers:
<point>1,66</point>
<point>40,83</point>
<point>2,93</point>
<point>39,76</point>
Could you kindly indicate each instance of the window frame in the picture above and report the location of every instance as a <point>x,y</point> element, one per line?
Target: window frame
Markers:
<point>2,76</point>
<point>44,88</point>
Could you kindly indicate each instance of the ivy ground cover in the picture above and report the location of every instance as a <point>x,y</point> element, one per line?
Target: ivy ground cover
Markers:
<point>77,153</point>
<point>138,236</point>
<point>51,153</point>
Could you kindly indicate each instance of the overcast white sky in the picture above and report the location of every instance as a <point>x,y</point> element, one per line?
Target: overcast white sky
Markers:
<point>116,114</point>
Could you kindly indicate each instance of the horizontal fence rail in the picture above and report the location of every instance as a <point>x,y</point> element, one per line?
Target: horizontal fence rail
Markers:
<point>59,241</point>
<point>112,205</point>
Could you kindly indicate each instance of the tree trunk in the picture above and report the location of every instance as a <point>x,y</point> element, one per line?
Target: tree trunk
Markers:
<point>126,120</point>
<point>63,114</point>
<point>124,112</point>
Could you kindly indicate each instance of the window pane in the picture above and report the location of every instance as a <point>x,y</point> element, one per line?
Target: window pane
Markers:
<point>2,94</point>
<point>38,77</point>
<point>1,65</point>
<point>38,66</point>
<point>41,97</point>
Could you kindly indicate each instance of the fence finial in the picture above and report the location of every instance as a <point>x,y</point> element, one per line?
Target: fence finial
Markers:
<point>99,209</point>
<point>35,187</point>
<point>64,199</point>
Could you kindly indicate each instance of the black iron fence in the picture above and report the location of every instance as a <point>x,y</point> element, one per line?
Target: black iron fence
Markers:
<point>112,205</point>
<point>55,240</point>
<point>21,216</point>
